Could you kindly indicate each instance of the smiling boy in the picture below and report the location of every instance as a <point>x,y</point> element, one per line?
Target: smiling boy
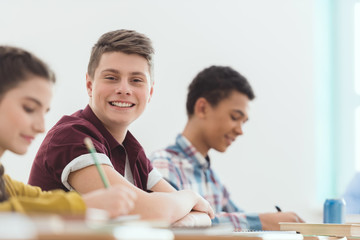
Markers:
<point>217,108</point>
<point>119,86</point>
<point>26,85</point>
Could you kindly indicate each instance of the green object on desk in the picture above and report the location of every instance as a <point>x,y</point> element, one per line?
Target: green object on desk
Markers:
<point>90,146</point>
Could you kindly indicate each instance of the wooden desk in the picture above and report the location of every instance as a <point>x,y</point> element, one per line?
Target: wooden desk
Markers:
<point>72,236</point>
<point>227,233</point>
<point>56,228</point>
<point>204,237</point>
<point>109,236</point>
<point>220,237</point>
<point>65,236</point>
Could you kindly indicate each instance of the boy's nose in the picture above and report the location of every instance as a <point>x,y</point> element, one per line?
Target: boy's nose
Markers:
<point>238,129</point>
<point>123,88</point>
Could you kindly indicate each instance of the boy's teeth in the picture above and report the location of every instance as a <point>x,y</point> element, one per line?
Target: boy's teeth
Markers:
<point>121,104</point>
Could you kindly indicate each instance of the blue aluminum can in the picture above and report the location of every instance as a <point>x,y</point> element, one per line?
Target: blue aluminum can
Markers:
<point>334,211</point>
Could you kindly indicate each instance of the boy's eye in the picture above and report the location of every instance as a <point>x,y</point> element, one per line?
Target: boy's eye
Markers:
<point>110,77</point>
<point>235,118</point>
<point>137,80</point>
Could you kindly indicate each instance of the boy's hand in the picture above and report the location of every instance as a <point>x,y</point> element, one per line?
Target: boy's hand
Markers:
<point>194,219</point>
<point>203,206</point>
<point>116,200</point>
<point>270,221</point>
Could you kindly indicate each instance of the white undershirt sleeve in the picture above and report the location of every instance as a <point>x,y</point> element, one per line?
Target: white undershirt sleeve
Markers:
<point>128,175</point>
<point>153,178</point>
<point>81,162</point>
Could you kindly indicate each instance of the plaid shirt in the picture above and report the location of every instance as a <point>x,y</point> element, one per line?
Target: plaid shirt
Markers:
<point>185,168</point>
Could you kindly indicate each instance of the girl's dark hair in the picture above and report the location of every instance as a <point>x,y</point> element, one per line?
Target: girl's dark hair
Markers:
<point>3,194</point>
<point>16,66</point>
<point>216,83</point>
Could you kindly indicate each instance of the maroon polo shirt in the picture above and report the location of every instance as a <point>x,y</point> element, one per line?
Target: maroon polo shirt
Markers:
<point>65,142</point>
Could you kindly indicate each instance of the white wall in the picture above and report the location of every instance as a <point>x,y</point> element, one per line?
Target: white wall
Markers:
<point>270,42</point>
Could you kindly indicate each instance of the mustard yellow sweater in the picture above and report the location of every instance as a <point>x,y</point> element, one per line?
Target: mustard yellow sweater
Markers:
<point>28,199</point>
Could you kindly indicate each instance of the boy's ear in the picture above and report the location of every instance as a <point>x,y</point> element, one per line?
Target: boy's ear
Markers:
<point>151,91</point>
<point>89,85</point>
<point>201,107</point>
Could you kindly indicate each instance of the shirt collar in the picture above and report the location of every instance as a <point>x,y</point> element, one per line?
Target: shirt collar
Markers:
<point>129,138</point>
<point>191,152</point>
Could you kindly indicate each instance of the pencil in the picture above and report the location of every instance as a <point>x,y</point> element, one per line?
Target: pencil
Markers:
<point>278,208</point>
<point>90,146</point>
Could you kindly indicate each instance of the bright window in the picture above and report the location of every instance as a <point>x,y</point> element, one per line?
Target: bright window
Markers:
<point>357,47</point>
<point>357,81</point>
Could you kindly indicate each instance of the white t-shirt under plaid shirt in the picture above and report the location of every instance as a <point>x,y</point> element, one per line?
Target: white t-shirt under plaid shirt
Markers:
<point>185,168</point>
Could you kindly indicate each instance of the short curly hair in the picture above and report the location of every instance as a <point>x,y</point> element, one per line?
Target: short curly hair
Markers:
<point>214,84</point>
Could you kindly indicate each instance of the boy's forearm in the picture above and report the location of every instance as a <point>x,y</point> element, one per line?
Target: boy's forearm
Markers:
<point>168,207</point>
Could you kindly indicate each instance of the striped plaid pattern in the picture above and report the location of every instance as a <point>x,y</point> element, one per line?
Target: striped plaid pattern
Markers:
<point>185,168</point>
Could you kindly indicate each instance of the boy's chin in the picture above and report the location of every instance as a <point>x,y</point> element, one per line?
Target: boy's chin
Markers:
<point>221,149</point>
<point>122,122</point>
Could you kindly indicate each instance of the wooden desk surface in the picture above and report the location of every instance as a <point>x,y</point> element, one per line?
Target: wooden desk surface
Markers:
<point>110,237</point>
<point>72,236</point>
<point>64,236</point>
<point>55,228</point>
<point>220,237</point>
<point>107,236</point>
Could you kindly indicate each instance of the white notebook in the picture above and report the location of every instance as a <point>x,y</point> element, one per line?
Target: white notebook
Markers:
<point>271,235</point>
<point>228,230</point>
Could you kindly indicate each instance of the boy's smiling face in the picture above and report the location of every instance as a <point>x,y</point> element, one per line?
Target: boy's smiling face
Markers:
<point>223,123</point>
<point>120,89</point>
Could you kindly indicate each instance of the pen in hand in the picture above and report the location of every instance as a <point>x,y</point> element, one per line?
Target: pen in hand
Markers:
<point>278,208</point>
<point>90,146</point>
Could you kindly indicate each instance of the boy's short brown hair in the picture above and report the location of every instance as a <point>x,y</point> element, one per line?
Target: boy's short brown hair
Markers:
<point>126,41</point>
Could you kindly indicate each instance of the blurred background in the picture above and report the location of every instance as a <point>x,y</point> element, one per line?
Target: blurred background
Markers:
<point>299,55</point>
